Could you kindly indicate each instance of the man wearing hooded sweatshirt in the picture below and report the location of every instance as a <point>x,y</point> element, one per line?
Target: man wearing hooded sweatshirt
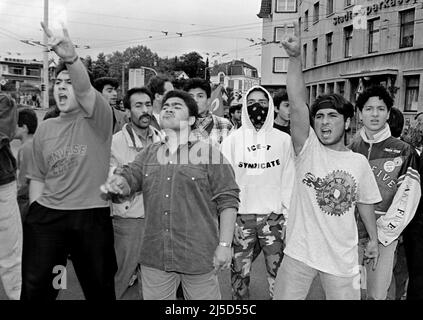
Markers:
<point>264,171</point>
<point>395,166</point>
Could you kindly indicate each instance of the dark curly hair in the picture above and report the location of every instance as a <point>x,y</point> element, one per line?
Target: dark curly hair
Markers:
<point>279,97</point>
<point>396,122</point>
<point>199,83</point>
<point>99,83</point>
<point>130,92</point>
<point>374,91</point>
<point>189,101</point>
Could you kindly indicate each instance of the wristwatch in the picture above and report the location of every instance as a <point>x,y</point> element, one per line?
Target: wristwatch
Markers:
<point>225,244</point>
<point>74,59</point>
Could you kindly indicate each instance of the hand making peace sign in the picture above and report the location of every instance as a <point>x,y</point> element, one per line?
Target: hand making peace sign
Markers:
<point>63,46</point>
<point>292,43</point>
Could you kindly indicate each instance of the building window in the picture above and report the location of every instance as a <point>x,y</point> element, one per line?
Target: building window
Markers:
<point>280,65</point>
<point>374,35</point>
<point>306,20</point>
<point>316,13</point>
<point>341,88</point>
<point>329,37</point>
<point>411,92</point>
<point>231,84</point>
<point>407,28</point>
<point>315,44</point>
<point>279,33</point>
<point>320,89</point>
<point>17,70</point>
<point>329,7</point>
<point>240,85</point>
<point>305,55</point>
<point>33,72</point>
<point>308,95</point>
<point>348,35</point>
<point>348,3</point>
<point>286,5</point>
<point>330,88</point>
<point>313,93</point>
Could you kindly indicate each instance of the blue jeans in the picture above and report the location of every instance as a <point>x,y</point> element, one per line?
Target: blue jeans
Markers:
<point>378,280</point>
<point>162,285</point>
<point>10,241</point>
<point>295,278</point>
<point>128,234</point>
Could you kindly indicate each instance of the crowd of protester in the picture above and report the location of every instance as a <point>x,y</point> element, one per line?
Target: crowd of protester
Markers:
<point>160,193</point>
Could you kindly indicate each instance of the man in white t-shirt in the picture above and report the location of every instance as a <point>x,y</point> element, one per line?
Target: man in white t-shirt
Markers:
<point>331,180</point>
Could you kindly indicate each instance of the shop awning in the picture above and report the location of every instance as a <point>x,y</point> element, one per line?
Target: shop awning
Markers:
<point>369,73</point>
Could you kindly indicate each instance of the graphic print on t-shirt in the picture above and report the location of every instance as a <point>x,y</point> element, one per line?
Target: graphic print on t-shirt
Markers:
<point>65,159</point>
<point>336,193</point>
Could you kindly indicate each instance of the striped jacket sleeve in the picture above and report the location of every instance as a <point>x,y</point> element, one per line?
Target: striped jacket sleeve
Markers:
<point>404,204</point>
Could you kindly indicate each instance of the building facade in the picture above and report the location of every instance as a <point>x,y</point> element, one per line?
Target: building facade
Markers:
<point>237,75</point>
<point>18,73</point>
<point>383,44</point>
<point>274,59</point>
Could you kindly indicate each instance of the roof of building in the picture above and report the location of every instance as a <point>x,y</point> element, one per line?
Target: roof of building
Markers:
<point>232,68</point>
<point>178,73</point>
<point>265,9</point>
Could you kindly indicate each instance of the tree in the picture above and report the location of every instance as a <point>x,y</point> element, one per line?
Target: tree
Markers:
<point>207,70</point>
<point>193,65</point>
<point>88,63</point>
<point>131,58</point>
<point>100,67</point>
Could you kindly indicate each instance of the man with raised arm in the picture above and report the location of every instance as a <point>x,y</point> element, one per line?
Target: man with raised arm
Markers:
<point>190,200</point>
<point>330,182</point>
<point>67,214</point>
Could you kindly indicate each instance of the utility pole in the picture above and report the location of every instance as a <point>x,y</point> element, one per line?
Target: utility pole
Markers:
<point>45,59</point>
<point>123,79</point>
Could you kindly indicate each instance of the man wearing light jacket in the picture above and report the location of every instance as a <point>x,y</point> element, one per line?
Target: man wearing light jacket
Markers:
<point>395,166</point>
<point>264,170</point>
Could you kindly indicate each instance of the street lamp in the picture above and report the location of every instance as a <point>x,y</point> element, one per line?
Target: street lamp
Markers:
<point>205,72</point>
<point>151,69</point>
<point>124,65</point>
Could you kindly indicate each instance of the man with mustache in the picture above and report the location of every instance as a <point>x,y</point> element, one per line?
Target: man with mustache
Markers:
<point>128,216</point>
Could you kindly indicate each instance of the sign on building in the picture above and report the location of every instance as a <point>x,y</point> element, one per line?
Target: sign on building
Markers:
<point>136,78</point>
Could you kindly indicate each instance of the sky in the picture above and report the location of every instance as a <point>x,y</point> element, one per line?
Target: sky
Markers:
<point>207,26</point>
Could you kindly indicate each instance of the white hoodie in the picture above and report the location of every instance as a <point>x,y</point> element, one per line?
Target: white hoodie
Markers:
<point>263,164</point>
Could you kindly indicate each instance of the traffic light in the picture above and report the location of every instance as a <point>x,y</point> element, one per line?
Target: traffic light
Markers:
<point>43,87</point>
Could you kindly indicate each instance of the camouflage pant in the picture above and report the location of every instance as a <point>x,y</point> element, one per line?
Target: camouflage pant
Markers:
<point>261,232</point>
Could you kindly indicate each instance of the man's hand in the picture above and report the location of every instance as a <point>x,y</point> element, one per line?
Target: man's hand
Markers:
<point>222,258</point>
<point>116,184</point>
<point>238,235</point>
<point>372,253</point>
<point>292,43</point>
<point>63,46</point>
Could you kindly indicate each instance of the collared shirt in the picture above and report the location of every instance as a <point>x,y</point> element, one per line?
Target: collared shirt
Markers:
<point>183,195</point>
<point>212,129</point>
<point>126,145</point>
